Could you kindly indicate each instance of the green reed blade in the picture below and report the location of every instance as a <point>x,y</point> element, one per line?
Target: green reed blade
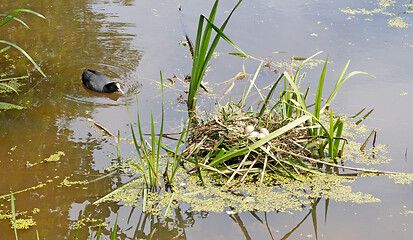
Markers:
<point>14,18</point>
<point>302,64</point>
<point>5,49</point>
<point>203,51</point>
<point>4,105</point>
<point>339,131</point>
<point>151,234</point>
<point>99,231</point>
<point>169,205</point>
<point>113,235</point>
<point>269,96</point>
<point>342,80</point>
<point>177,160</point>
<point>296,91</point>
<point>25,54</point>
<point>319,94</point>
<point>81,218</point>
<point>8,86</point>
<point>331,135</point>
<point>13,214</point>
<point>13,13</point>
<point>244,97</point>
<point>162,124</point>
<point>144,199</point>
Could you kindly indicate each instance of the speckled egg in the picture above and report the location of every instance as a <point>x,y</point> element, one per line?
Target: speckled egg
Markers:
<point>261,136</point>
<point>248,129</point>
<point>264,131</point>
<point>254,134</point>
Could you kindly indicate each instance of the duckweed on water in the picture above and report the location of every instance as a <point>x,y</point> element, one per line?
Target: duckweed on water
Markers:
<point>384,7</point>
<point>398,22</point>
<point>277,194</point>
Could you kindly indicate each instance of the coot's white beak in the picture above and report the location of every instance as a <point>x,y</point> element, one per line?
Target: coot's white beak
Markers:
<point>119,89</point>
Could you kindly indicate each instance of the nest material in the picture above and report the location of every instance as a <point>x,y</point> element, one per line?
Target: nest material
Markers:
<point>227,132</point>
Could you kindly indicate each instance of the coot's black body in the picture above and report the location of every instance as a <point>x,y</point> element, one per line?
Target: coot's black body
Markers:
<point>99,82</point>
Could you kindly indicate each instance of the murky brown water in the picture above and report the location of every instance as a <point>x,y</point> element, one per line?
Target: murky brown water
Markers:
<point>131,41</point>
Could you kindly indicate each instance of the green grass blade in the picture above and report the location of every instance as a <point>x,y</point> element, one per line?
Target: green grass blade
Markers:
<point>319,94</point>
<point>296,91</point>
<point>4,106</point>
<point>25,54</point>
<point>169,205</point>
<point>144,199</point>
<point>13,13</point>
<point>81,217</point>
<point>13,214</point>
<point>203,52</point>
<point>269,96</point>
<point>342,80</point>
<point>152,233</point>
<point>302,64</point>
<point>331,135</point>
<point>14,18</point>
<point>5,49</point>
<point>244,97</point>
<point>339,131</point>
<point>113,235</point>
<point>99,232</point>
<point>8,86</point>
<point>221,34</point>
<point>162,124</point>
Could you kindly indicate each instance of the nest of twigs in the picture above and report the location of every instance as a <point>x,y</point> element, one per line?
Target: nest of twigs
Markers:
<point>226,132</point>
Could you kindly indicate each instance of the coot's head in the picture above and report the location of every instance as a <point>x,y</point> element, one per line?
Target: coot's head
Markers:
<point>112,87</point>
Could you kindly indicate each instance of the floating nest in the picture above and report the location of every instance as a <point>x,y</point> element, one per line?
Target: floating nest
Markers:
<point>233,130</point>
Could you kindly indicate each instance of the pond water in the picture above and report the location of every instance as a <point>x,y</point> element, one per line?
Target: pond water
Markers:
<point>132,41</point>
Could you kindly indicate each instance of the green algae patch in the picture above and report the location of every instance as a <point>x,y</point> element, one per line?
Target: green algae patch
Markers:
<point>279,193</point>
<point>383,7</point>
<point>67,183</point>
<point>398,22</point>
<point>23,223</point>
<point>401,178</point>
<point>52,158</point>
<point>23,220</point>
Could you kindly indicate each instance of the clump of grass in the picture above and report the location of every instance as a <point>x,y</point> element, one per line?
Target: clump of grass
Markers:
<point>203,50</point>
<point>150,154</point>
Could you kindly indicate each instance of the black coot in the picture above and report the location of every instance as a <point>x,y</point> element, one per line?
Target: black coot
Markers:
<point>99,82</point>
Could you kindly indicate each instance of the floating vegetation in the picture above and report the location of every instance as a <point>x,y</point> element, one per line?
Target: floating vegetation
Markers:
<point>384,7</point>
<point>398,22</point>
<point>53,158</point>
<point>402,178</point>
<point>66,183</point>
<point>277,194</point>
<point>23,223</point>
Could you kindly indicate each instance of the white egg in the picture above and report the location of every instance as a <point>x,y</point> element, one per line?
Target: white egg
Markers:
<point>264,131</point>
<point>261,136</point>
<point>248,129</point>
<point>254,134</point>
